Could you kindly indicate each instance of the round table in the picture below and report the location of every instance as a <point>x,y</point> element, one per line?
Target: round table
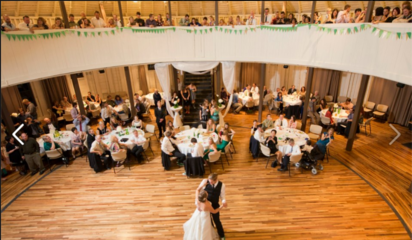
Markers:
<point>183,139</point>
<point>297,135</point>
<point>149,98</point>
<point>292,100</point>
<point>245,98</point>
<point>337,118</point>
<point>65,141</point>
<point>130,145</point>
<point>177,120</point>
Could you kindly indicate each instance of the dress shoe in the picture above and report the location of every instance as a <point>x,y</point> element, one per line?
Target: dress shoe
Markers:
<point>33,173</point>
<point>42,171</point>
<point>281,170</point>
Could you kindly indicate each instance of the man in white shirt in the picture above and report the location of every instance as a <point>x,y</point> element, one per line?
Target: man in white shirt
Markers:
<point>198,150</point>
<point>344,16</point>
<point>98,147</point>
<point>267,18</point>
<point>259,134</point>
<point>291,150</point>
<point>97,21</point>
<point>167,148</point>
<point>281,122</point>
<point>117,21</point>
<point>8,25</point>
<point>255,89</point>
<point>139,140</point>
<point>49,126</point>
<point>25,25</point>
<point>251,19</point>
<point>106,113</point>
<point>247,91</point>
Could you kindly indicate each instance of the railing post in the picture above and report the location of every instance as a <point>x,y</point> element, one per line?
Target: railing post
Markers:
<point>78,94</point>
<point>121,13</point>
<point>261,85</point>
<point>307,96</point>
<point>216,13</point>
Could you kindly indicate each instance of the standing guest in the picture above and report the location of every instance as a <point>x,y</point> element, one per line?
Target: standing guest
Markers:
<point>57,109</point>
<point>254,89</point>
<point>236,103</point>
<point>254,127</point>
<point>151,22</point>
<point>97,21</point>
<point>31,151</point>
<point>347,105</point>
<point>272,142</point>
<point>86,24</point>
<point>139,140</point>
<point>90,97</point>
<point>205,23</point>
<point>169,149</point>
<point>193,91</point>
<point>115,146</point>
<point>292,122</point>
<point>279,98</point>
<point>395,14</point>
<point>72,23</point>
<point>90,138</point>
<point>82,18</point>
<point>26,24</point>
<point>140,108</point>
<point>107,112</point>
<point>49,126</point>
<point>230,21</point>
<point>156,97</point>
<point>214,112</point>
<point>32,127</point>
<point>186,99</point>
<point>204,114</point>
<point>81,122</point>
<point>65,103</point>
<point>102,128</point>
<point>8,25</point>
<point>58,24</point>
<point>160,118</point>
<point>344,16</point>
<point>74,111</point>
<point>292,90</point>
<point>194,23</point>
<point>116,21</point>
<point>251,19</point>
<point>41,24</point>
<point>267,123</point>
<point>198,149</point>
<point>118,100</point>
<point>329,115</point>
<point>101,149</point>
<point>15,156</point>
<point>267,18</point>
<point>211,126</point>
<point>30,108</point>
<point>138,20</point>
<point>258,135</point>
<point>77,141</point>
<point>179,84</point>
<point>224,96</point>
<point>334,16</point>
<point>314,116</point>
<point>184,21</point>
<point>212,21</point>
<point>291,150</point>
<point>281,122</point>
<point>137,123</point>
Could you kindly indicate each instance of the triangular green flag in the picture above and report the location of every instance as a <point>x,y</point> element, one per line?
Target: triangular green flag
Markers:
<point>388,34</point>
<point>51,35</point>
<point>215,27</point>
<point>329,29</point>
<point>235,31</point>
<point>31,37</point>
<point>35,37</point>
<point>19,37</point>
<point>374,29</point>
<point>201,31</point>
<point>399,34</point>
<point>230,30</point>
<point>221,29</point>
<point>85,34</point>
<point>195,31</point>
<point>380,33</point>
<point>240,31</point>
<point>78,33</point>
<point>349,30</point>
<point>64,33</point>
<point>309,25</point>
<point>112,32</point>
<point>174,29</point>
<point>225,30</point>
<point>121,29</point>
<point>408,34</point>
<point>93,34</point>
<point>107,33</point>
<point>355,29</point>
<point>14,37</point>
<point>205,30</point>
<point>362,26</point>
<point>43,35</point>
<point>342,30</point>
<point>335,31</point>
<point>99,33</point>
<point>8,36</point>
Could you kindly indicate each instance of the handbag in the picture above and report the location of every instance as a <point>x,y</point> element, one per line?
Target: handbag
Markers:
<point>274,164</point>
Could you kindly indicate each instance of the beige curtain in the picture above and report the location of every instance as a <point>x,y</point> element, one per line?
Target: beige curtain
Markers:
<point>382,91</point>
<point>250,73</point>
<point>326,82</point>
<point>143,79</point>
<point>12,98</point>
<point>55,89</point>
<point>401,107</point>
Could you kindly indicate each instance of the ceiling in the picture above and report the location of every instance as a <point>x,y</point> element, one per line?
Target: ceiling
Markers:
<point>179,8</point>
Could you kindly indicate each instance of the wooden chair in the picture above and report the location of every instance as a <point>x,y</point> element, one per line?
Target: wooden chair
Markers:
<point>367,123</point>
<point>368,108</point>
<point>315,131</point>
<point>150,132</point>
<point>380,111</point>
<point>214,158</point>
<point>329,100</point>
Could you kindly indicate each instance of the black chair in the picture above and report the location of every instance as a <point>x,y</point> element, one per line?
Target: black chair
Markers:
<point>194,166</point>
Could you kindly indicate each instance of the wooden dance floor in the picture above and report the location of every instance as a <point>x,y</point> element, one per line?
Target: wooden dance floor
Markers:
<point>149,203</point>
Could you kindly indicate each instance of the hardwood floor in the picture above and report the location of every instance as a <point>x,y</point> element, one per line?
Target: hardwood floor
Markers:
<point>149,203</point>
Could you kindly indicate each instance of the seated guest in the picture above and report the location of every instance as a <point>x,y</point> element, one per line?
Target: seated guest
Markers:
<point>292,122</point>
<point>74,111</point>
<point>292,90</point>
<point>250,97</point>
<point>302,93</point>
<point>110,101</point>
<point>77,141</point>
<point>317,97</point>
<point>118,100</point>
<point>139,140</point>
<point>329,115</point>
<point>114,123</point>
<point>58,24</point>
<point>347,105</point>
<point>90,97</point>
<point>98,99</point>
<point>41,24</point>
<point>259,134</point>
<point>65,103</point>
<point>115,146</point>
<point>272,142</point>
<point>279,98</point>
<point>197,150</point>
<point>90,138</point>
<point>254,127</point>
<point>107,112</point>
<point>136,97</point>
<point>212,149</point>
<point>15,155</point>
<point>230,132</point>
<point>284,91</point>
<point>210,126</point>
<point>254,89</point>
<point>314,116</point>
<point>49,144</point>
<point>102,129</point>
<point>32,128</point>
<point>101,149</point>
<point>224,95</point>
<point>224,140</point>
<point>137,123</point>
<point>49,126</point>
<point>291,149</point>
<point>81,123</point>
<point>126,111</point>
<point>322,105</point>
<point>340,129</point>
<point>236,103</point>
<point>281,122</point>
<point>156,97</point>
<point>319,150</point>
<point>169,149</point>
<point>140,109</point>
<point>57,109</point>
<point>267,123</point>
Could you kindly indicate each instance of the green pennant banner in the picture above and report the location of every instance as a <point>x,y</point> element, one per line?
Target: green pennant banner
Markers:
<point>408,34</point>
<point>240,31</point>
<point>99,33</point>
<point>335,31</point>
<point>388,34</point>
<point>355,29</point>
<point>201,31</point>
<point>342,30</point>
<point>374,29</point>
<point>85,34</point>
<point>205,30</point>
<point>399,34</point>
<point>78,33</point>
<point>380,33</point>
<point>92,34</point>
<point>195,31</point>
<point>113,32</point>
<point>235,31</point>
<point>230,31</point>
<point>349,30</point>
<point>107,33</point>
<point>362,26</point>
<point>211,29</point>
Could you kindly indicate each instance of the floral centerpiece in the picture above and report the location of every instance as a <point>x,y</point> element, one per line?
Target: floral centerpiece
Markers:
<point>219,103</point>
<point>175,104</point>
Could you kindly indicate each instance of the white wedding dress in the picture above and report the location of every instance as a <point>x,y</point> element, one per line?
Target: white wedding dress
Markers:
<point>199,227</point>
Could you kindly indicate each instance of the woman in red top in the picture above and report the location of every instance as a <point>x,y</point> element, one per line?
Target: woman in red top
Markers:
<point>329,115</point>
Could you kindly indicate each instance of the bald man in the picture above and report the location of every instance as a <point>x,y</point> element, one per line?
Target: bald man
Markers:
<point>7,25</point>
<point>49,126</point>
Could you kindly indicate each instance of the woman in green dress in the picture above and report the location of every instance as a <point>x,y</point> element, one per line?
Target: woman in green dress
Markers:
<point>212,148</point>
<point>210,126</point>
<point>214,111</point>
<point>225,141</point>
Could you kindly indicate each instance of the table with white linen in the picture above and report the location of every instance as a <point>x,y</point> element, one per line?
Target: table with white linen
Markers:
<point>177,121</point>
<point>119,108</point>
<point>244,98</point>
<point>295,134</point>
<point>65,140</point>
<point>149,98</point>
<point>121,135</point>
<point>183,139</point>
<point>337,117</point>
<point>292,100</point>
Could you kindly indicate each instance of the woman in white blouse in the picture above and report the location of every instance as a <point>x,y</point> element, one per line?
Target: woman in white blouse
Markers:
<point>137,122</point>
<point>292,123</point>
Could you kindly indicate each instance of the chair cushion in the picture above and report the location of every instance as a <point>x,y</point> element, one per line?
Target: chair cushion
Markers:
<point>378,113</point>
<point>313,136</point>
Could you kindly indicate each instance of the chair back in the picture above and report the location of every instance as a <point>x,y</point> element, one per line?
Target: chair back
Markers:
<point>67,116</point>
<point>123,117</point>
<point>218,127</point>
<point>70,126</point>
<point>55,154</point>
<point>147,106</point>
<point>296,158</point>
<point>325,120</point>
<point>85,143</point>
<point>329,98</point>
<point>315,129</point>
<point>151,90</point>
<point>146,145</point>
<point>227,148</point>
<point>341,99</point>
<point>214,156</point>
<point>265,150</point>
<point>277,104</point>
<point>150,128</point>
<point>119,156</point>
<point>368,121</point>
<point>200,126</point>
<point>298,125</point>
<point>382,108</point>
<point>250,104</point>
<point>370,105</point>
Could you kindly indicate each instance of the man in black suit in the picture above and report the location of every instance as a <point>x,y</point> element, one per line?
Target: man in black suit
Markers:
<point>49,125</point>
<point>160,118</point>
<point>156,97</point>
<point>292,90</point>
<point>140,109</point>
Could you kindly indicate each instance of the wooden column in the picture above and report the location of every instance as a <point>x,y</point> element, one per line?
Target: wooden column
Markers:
<point>312,12</point>
<point>130,91</point>
<point>262,18</point>
<point>368,16</point>
<point>6,117</point>
<point>216,13</point>
<point>261,85</point>
<point>121,17</point>
<point>170,13</point>
<point>64,14</point>
<point>354,125</point>
<point>307,96</point>
<point>78,93</point>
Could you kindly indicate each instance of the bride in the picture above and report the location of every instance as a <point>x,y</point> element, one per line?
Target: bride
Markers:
<point>199,226</point>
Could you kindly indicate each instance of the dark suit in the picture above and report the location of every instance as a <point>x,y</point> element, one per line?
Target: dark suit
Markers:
<point>291,91</point>
<point>160,114</point>
<point>46,127</point>
<point>140,109</point>
<point>156,97</point>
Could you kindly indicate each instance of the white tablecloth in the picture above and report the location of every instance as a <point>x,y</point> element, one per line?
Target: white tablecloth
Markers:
<point>297,135</point>
<point>130,145</point>
<point>337,118</point>
<point>65,141</point>
<point>183,140</point>
<point>244,98</point>
<point>177,121</point>
<point>149,97</point>
<point>292,100</point>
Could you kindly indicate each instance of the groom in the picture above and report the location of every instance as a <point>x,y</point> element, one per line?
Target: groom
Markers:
<point>215,189</point>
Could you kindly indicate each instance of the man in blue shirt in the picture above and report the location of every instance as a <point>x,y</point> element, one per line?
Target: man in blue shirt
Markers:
<point>236,103</point>
<point>151,22</point>
<point>81,123</point>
